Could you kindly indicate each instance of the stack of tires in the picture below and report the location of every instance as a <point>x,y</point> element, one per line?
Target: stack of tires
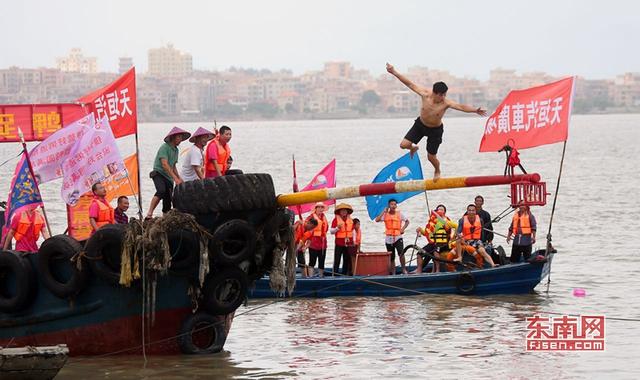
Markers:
<point>242,215</point>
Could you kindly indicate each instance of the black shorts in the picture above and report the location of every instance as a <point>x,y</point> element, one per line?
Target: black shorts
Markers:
<point>434,135</point>
<point>398,246</point>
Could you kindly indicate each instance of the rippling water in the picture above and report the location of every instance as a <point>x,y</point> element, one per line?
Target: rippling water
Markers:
<point>427,336</point>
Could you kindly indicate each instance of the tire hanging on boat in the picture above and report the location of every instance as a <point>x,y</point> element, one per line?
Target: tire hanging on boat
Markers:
<point>202,333</point>
<point>58,273</point>
<point>465,283</point>
<point>224,290</point>
<point>17,296</point>
<point>103,250</point>
<point>233,242</point>
<point>184,247</point>
<point>242,192</point>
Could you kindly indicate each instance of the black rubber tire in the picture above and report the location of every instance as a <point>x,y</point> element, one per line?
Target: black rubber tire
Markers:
<point>465,283</point>
<point>239,192</point>
<point>103,250</point>
<point>55,256</point>
<point>233,242</point>
<point>199,322</point>
<point>25,282</point>
<point>184,246</point>
<point>224,291</point>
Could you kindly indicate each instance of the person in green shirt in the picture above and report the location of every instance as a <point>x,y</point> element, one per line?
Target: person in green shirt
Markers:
<point>164,172</point>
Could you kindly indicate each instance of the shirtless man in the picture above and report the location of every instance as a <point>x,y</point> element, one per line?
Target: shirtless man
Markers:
<point>429,123</point>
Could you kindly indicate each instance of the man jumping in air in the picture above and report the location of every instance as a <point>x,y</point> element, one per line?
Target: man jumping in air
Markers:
<point>429,123</point>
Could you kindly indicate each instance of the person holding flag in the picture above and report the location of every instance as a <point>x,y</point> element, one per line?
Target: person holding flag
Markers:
<point>429,123</point>
<point>395,223</point>
<point>26,227</point>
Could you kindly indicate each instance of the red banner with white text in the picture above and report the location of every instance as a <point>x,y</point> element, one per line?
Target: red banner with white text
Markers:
<point>530,117</point>
<point>117,101</point>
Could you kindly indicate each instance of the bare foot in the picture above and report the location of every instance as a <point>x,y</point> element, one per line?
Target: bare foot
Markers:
<point>436,176</point>
<point>413,150</point>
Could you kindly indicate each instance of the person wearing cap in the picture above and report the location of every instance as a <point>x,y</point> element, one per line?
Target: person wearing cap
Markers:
<point>192,167</point>
<point>395,223</point>
<point>318,242</point>
<point>342,227</point>
<point>164,172</point>
<point>218,153</point>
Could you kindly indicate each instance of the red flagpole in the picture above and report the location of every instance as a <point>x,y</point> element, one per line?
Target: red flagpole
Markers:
<point>295,184</point>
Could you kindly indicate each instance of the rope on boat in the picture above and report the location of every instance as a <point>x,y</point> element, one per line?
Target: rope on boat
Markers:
<point>553,209</point>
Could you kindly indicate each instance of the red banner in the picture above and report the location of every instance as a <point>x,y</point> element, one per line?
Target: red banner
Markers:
<point>117,185</point>
<point>530,117</point>
<point>117,101</point>
<point>37,121</point>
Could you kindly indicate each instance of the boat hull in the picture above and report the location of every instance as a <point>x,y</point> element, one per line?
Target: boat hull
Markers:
<point>508,279</point>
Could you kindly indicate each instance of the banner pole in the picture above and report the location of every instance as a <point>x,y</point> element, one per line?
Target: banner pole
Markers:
<point>139,176</point>
<point>35,181</point>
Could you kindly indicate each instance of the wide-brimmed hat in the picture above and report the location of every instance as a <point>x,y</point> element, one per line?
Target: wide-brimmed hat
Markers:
<point>343,206</point>
<point>177,131</point>
<point>320,204</point>
<point>201,132</point>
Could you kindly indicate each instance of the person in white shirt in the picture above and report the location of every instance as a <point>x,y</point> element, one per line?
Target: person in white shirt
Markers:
<point>192,167</point>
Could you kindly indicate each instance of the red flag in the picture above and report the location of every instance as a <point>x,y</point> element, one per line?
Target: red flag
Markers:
<point>37,121</point>
<point>530,117</point>
<point>117,101</point>
<point>326,178</point>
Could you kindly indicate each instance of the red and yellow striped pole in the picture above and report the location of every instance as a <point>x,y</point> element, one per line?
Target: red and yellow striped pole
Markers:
<point>320,195</point>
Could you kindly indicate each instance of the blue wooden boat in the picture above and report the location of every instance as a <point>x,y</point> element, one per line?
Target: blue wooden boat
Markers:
<point>507,279</point>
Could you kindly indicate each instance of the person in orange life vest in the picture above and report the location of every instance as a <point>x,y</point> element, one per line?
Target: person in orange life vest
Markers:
<point>439,231</point>
<point>318,242</point>
<point>395,223</point>
<point>357,239</point>
<point>342,227</point>
<point>218,153</point>
<point>303,233</point>
<point>26,227</point>
<point>523,230</point>
<point>470,238</point>
<point>100,212</point>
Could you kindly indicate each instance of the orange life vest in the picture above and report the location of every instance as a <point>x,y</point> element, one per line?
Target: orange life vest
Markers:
<point>523,222</point>
<point>392,224</point>
<point>321,228</point>
<point>346,230</point>
<point>471,232</point>
<point>105,213</point>
<point>224,152</point>
<point>36,223</point>
<point>358,236</point>
<point>301,234</point>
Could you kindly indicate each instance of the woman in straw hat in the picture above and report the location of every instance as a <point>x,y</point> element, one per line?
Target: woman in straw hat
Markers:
<point>192,167</point>
<point>318,242</point>
<point>342,227</point>
<point>164,172</point>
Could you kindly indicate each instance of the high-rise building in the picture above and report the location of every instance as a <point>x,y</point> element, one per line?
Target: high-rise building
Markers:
<point>169,62</point>
<point>124,64</point>
<point>77,62</point>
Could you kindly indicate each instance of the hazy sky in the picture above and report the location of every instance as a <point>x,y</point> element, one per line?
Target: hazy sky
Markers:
<point>595,39</point>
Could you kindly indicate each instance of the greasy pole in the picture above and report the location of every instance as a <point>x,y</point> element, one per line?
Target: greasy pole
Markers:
<point>320,195</point>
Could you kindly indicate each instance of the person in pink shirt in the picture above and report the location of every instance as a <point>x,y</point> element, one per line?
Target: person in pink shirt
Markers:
<point>25,228</point>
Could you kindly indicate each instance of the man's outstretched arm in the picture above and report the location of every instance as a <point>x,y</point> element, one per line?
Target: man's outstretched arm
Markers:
<point>407,82</point>
<point>467,108</point>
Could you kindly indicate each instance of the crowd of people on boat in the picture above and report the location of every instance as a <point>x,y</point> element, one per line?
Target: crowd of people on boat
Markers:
<point>450,243</point>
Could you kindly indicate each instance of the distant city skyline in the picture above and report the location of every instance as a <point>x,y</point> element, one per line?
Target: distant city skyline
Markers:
<point>588,38</point>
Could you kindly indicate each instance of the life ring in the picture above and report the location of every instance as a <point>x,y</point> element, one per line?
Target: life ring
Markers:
<point>17,294</point>
<point>103,250</point>
<point>224,290</point>
<point>56,270</point>
<point>202,333</point>
<point>184,247</point>
<point>465,283</point>
<point>233,242</point>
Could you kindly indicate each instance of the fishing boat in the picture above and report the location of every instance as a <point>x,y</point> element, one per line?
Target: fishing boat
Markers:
<point>506,279</point>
